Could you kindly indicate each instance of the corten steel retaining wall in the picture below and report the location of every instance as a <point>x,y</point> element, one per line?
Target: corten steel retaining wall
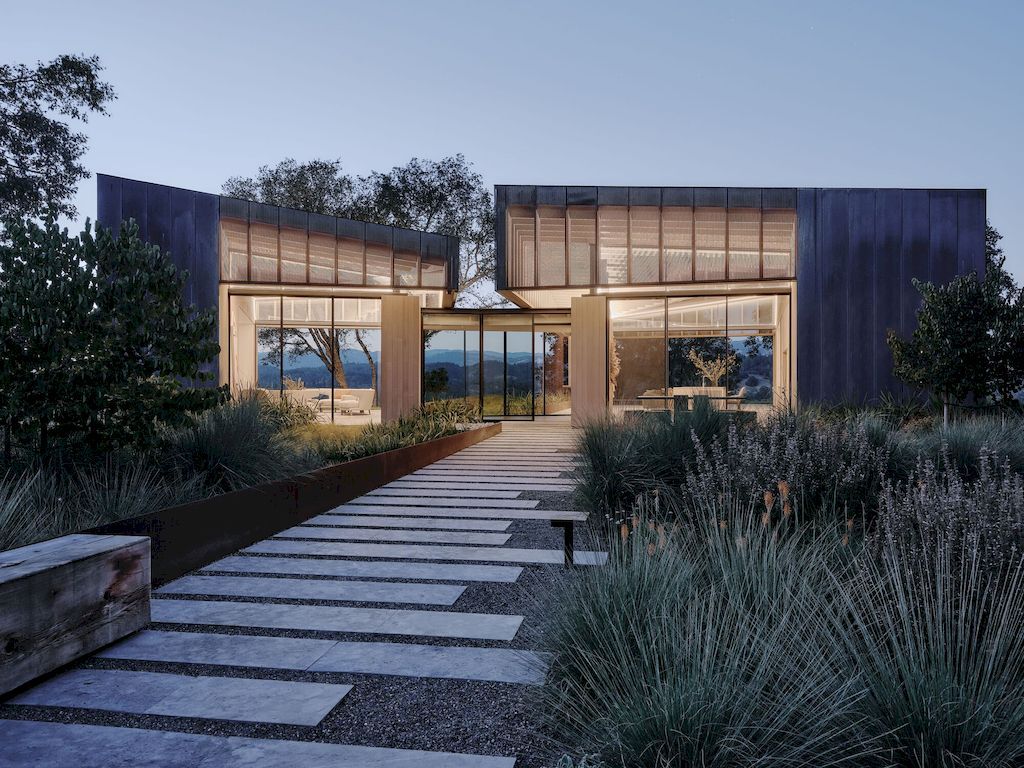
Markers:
<point>192,535</point>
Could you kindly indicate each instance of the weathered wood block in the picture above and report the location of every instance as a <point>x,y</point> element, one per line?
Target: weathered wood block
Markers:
<point>63,598</point>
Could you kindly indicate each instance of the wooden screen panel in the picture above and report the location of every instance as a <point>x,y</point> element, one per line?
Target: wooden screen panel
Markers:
<point>293,255</point>
<point>263,253</point>
<point>613,231</point>
<point>234,250</point>
<point>350,261</point>
<point>378,264</point>
<point>779,243</point>
<point>710,232</point>
<point>321,258</point>
<point>432,274</point>
<point>521,244</point>
<point>744,243</point>
<point>677,243</point>
<point>582,244</point>
<point>406,268</point>
<point>644,244</point>
<point>551,242</point>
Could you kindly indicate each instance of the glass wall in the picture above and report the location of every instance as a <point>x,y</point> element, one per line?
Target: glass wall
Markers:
<point>735,351</point>
<point>608,245</point>
<point>266,253</point>
<point>512,364</point>
<point>320,352</point>
<point>451,357</point>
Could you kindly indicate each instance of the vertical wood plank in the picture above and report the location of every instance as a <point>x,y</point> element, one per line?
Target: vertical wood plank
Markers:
<point>108,202</point>
<point>942,241</point>
<point>133,203</point>
<point>808,331</point>
<point>970,249</point>
<point>183,237</point>
<point>834,244</point>
<point>400,355</point>
<point>913,255</point>
<point>158,219</point>
<point>588,362</point>
<point>888,240</point>
<point>861,334</point>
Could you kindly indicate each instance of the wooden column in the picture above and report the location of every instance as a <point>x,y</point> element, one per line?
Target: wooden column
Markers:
<point>588,358</point>
<point>401,349</point>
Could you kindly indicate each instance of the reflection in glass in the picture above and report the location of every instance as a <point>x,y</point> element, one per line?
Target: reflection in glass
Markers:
<point>637,353</point>
<point>553,373</point>
<point>268,358</point>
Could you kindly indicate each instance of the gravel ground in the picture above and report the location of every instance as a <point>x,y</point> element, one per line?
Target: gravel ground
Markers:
<point>390,711</point>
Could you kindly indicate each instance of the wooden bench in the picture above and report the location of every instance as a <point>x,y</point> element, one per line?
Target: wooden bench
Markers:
<point>64,598</point>
<point>565,521</point>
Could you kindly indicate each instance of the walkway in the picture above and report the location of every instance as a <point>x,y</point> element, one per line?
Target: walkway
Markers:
<point>391,631</point>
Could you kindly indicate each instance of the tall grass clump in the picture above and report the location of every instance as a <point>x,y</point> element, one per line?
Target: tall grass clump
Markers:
<point>235,446</point>
<point>934,621</point>
<point>623,459</point>
<point>962,443</point>
<point>704,646</point>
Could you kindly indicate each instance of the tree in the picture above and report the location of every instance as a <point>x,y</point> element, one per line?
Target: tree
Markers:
<point>319,186</point>
<point>969,340</point>
<point>40,155</point>
<point>96,341</point>
<point>445,196</point>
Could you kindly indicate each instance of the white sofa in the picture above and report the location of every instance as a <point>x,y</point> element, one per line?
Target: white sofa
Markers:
<point>345,400</point>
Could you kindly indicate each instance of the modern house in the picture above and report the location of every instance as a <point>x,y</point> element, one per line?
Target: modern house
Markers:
<point>627,296</point>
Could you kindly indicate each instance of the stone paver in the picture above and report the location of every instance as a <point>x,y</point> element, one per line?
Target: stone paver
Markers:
<point>28,744</point>
<point>367,521</point>
<point>314,589</point>
<point>455,485</point>
<point>394,534</point>
<point>500,665</point>
<point>422,552</point>
<point>377,569</point>
<point>449,512</point>
<point>474,503</point>
<point>391,490</point>
<point>332,618</point>
<point>159,693</point>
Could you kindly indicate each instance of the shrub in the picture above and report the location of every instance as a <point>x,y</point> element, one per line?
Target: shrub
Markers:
<point>620,460</point>
<point>38,504</point>
<point>937,637</point>
<point>963,443</point>
<point>231,447</point>
<point>439,418</point>
<point>707,646</point>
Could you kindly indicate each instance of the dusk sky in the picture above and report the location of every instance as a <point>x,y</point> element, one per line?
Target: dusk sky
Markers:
<point>749,94</point>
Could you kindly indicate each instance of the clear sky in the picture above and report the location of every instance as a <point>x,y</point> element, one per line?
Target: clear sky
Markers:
<point>675,93</point>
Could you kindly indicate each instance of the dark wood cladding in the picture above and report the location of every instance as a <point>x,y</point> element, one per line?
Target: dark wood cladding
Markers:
<point>161,210</point>
<point>193,535</point>
<point>858,251</point>
<point>182,222</point>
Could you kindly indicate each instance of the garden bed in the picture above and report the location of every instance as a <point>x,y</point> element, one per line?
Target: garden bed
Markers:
<point>189,536</point>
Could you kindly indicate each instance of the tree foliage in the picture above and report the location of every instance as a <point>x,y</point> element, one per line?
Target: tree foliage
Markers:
<point>969,340</point>
<point>96,340</point>
<point>445,196</point>
<point>40,155</point>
